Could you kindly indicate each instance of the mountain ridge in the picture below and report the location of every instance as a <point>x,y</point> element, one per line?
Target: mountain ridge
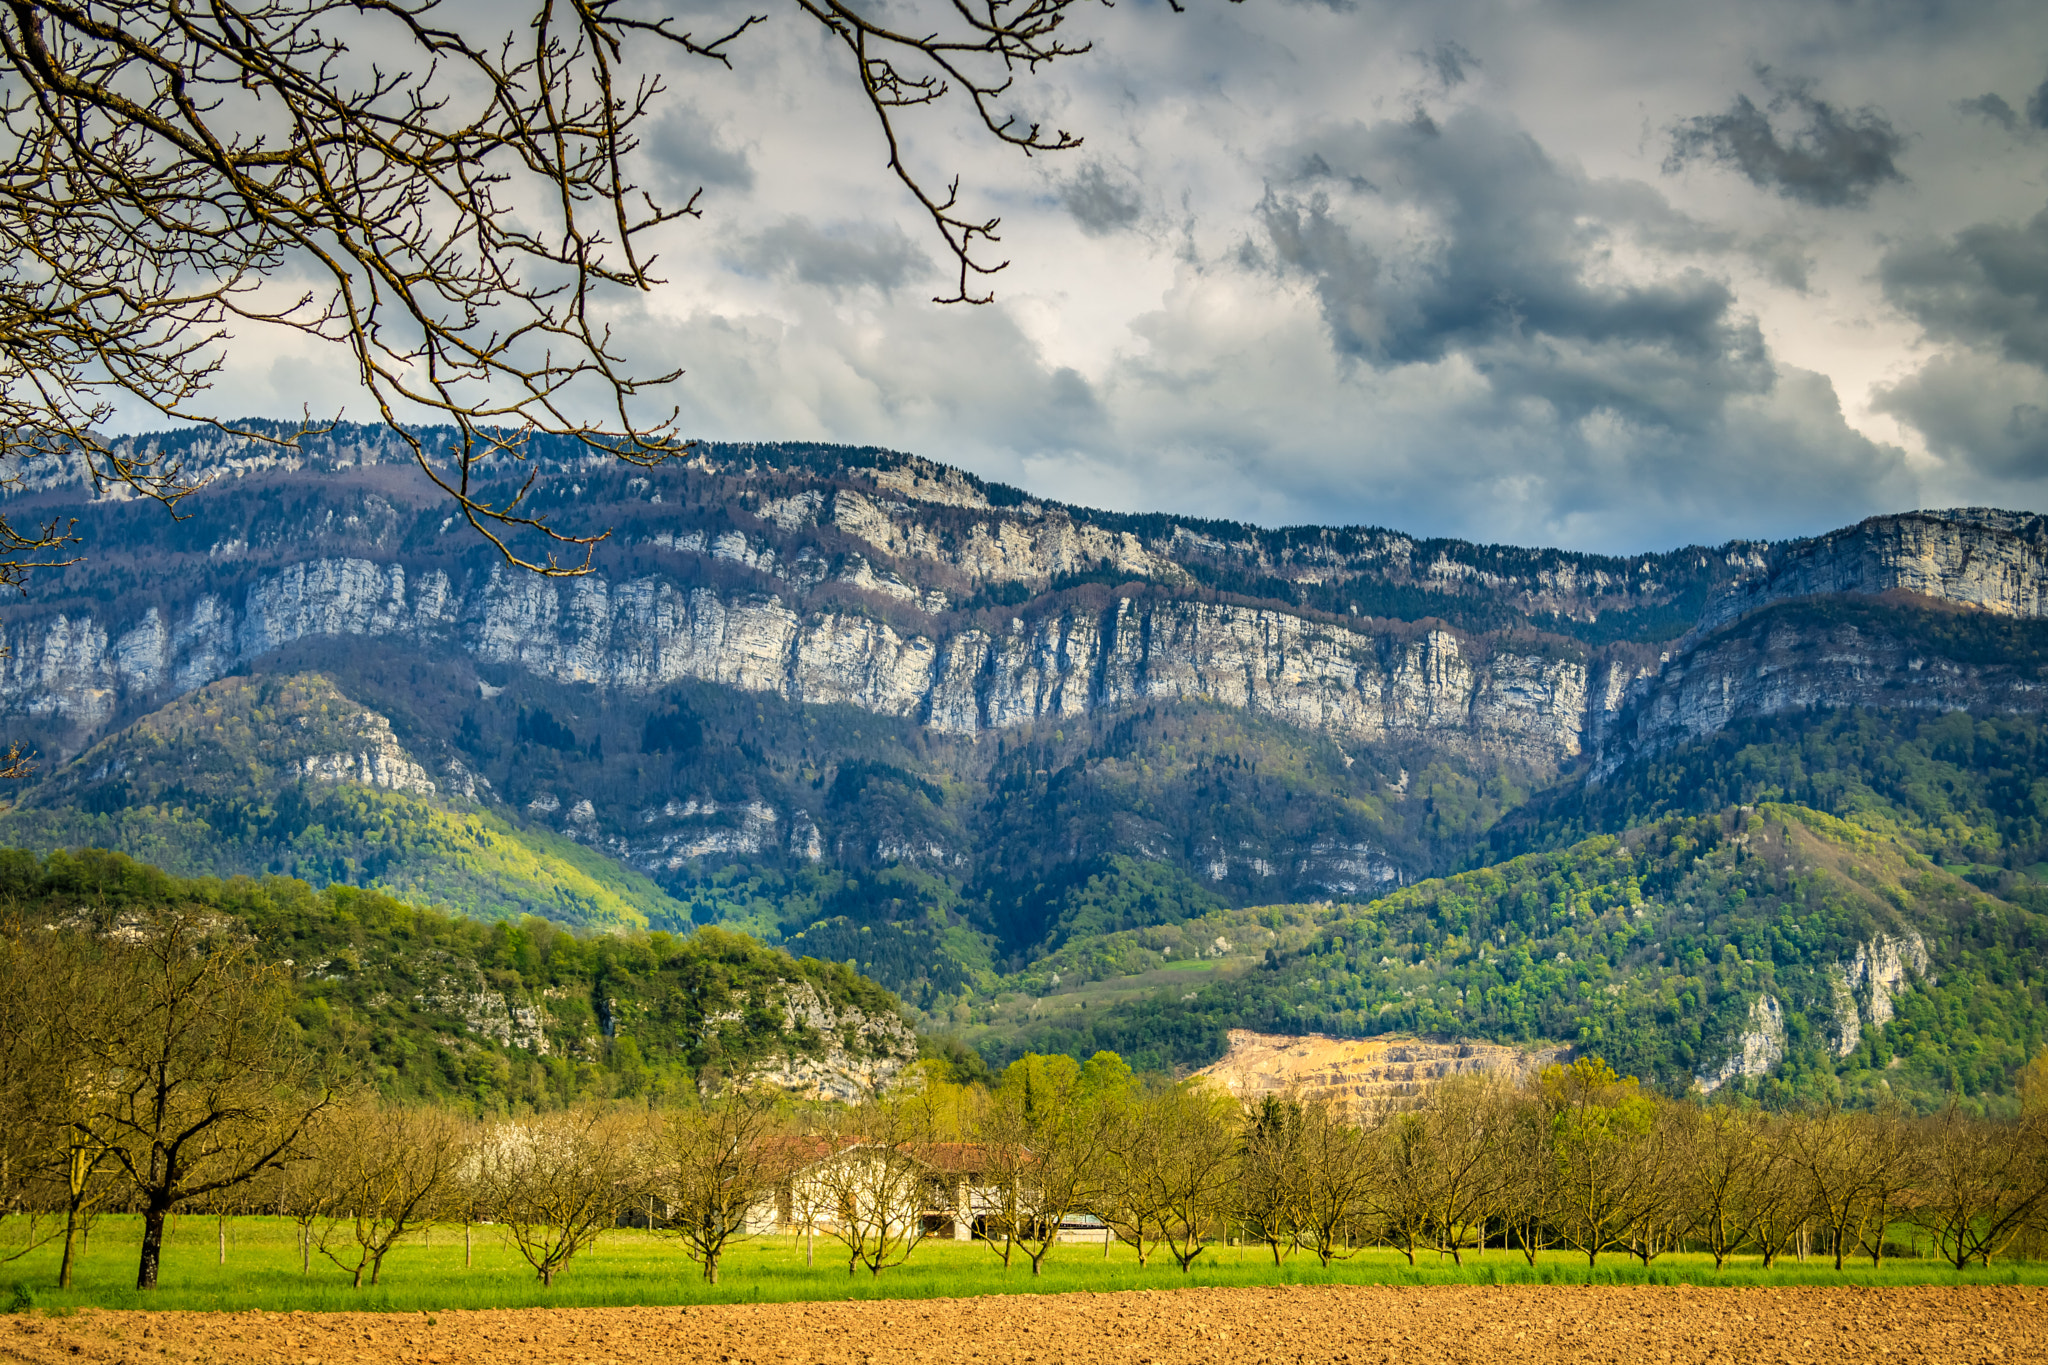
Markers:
<point>995,751</point>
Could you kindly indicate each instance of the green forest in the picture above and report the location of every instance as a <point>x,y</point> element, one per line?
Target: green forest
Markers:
<point>1650,947</point>
<point>494,1014</point>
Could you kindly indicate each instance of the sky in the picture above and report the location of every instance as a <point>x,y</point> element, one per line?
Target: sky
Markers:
<point>1612,277</point>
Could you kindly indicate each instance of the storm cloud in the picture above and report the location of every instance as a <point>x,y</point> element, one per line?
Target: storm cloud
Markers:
<point>1800,146</point>
<point>1101,203</point>
<point>690,152</point>
<point>1986,286</point>
<point>1616,277</point>
<point>1512,269</point>
<point>836,256</point>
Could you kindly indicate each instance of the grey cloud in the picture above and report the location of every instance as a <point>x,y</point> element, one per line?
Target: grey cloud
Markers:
<point>1992,416</point>
<point>1099,203</point>
<point>1834,161</point>
<point>1509,274</point>
<point>691,152</point>
<point>2037,106</point>
<point>1449,62</point>
<point>1987,286</point>
<point>1992,109</point>
<point>837,256</point>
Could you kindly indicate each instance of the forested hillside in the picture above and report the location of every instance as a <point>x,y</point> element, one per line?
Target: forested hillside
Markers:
<point>1882,972</point>
<point>423,1004</point>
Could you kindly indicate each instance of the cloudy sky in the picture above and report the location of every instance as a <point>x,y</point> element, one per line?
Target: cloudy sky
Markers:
<point>1602,275</point>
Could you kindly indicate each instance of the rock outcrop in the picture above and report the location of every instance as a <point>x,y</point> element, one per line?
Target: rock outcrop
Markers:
<point>1865,986</point>
<point>1979,556</point>
<point>859,1056</point>
<point>1759,1048</point>
<point>1768,665</point>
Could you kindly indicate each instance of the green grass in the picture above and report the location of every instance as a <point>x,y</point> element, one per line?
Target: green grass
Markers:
<point>631,1267</point>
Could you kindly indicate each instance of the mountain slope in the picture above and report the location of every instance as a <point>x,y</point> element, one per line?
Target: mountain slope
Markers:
<point>289,775</point>
<point>971,740</point>
<point>501,1015</point>
<point>1773,948</point>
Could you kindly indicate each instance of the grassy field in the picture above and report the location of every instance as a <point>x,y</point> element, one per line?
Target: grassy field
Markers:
<point>632,1267</point>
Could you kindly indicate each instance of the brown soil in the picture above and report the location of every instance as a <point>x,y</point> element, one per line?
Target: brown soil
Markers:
<point>1430,1326</point>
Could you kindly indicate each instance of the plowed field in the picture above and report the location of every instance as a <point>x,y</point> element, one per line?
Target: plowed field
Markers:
<point>1508,1325</point>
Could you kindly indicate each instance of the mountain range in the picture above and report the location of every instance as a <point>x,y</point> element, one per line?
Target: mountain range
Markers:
<point>1062,777</point>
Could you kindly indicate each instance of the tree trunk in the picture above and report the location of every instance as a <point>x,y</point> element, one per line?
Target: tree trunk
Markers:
<point>152,1247</point>
<point>221,1227</point>
<point>70,1230</point>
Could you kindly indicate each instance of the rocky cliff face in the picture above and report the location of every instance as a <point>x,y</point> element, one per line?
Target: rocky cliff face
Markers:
<point>861,1055</point>
<point>1978,556</point>
<point>913,591</point>
<point>1786,658</point>
<point>646,632</point>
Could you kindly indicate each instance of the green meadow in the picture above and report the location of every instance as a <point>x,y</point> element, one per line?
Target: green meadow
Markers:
<point>630,1266</point>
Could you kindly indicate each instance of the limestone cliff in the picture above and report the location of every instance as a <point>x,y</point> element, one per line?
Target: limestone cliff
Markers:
<point>902,587</point>
<point>1979,556</point>
<point>650,631</point>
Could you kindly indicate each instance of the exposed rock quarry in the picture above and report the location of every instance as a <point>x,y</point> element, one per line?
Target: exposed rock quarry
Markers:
<point>1364,1073</point>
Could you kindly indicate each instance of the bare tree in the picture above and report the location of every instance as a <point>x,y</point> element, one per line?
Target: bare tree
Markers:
<point>1269,1187</point>
<point>878,1183</point>
<point>1532,1187</point>
<point>1190,1166</point>
<point>1608,1172</point>
<point>454,205</point>
<point>1723,1157</point>
<point>999,1128</point>
<point>1894,1165</point>
<point>1831,1153</point>
<point>555,1182</point>
<point>40,1074</point>
<point>711,1164</point>
<point>1774,1201</point>
<point>1401,1190</point>
<point>1982,1183</point>
<point>1462,1121</point>
<point>1337,1161</point>
<point>1035,1145</point>
<point>383,1171</point>
<point>201,1087</point>
<point>1660,1213</point>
